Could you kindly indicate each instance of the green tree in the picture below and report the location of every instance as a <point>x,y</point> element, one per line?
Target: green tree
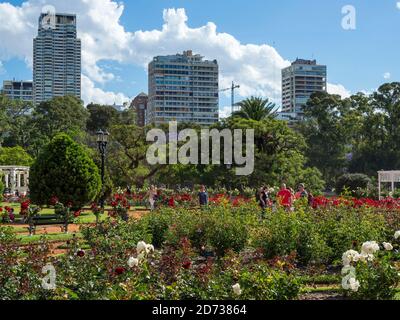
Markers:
<point>64,169</point>
<point>326,139</point>
<point>14,122</point>
<point>278,158</point>
<point>257,109</point>
<point>60,114</point>
<point>101,117</point>
<point>127,156</point>
<point>15,156</point>
<point>377,146</point>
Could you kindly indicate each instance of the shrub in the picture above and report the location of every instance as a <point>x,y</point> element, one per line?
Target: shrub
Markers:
<point>352,183</point>
<point>64,169</point>
<point>15,156</point>
<point>262,283</point>
<point>218,228</point>
<point>371,274</point>
<point>344,228</point>
<point>284,233</point>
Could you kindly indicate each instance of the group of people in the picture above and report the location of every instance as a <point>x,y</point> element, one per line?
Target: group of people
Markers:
<point>285,197</point>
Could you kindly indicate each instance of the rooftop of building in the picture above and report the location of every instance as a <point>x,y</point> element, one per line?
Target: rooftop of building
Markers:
<point>305,62</point>
<point>184,57</point>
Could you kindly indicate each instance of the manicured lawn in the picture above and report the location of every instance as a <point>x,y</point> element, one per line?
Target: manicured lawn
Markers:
<point>26,239</point>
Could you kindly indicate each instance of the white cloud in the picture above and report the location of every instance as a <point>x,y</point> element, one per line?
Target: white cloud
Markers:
<point>97,95</point>
<point>387,75</point>
<point>2,71</point>
<point>398,5</point>
<point>256,67</point>
<point>225,112</point>
<point>339,90</point>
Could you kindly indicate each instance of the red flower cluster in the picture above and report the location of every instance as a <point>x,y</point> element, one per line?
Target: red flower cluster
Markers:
<point>25,207</point>
<point>54,200</point>
<point>120,200</point>
<point>387,203</point>
<point>171,202</point>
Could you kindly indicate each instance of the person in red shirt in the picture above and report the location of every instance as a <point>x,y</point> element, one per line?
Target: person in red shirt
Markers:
<point>285,197</point>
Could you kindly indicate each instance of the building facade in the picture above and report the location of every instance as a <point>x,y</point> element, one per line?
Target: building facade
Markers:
<point>18,90</point>
<point>15,179</point>
<point>139,104</point>
<point>56,58</point>
<point>299,82</point>
<point>183,88</point>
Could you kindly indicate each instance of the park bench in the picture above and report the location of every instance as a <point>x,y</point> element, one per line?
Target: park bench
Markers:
<point>47,220</point>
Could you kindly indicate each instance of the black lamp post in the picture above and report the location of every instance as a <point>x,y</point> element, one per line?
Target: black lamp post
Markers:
<point>102,141</point>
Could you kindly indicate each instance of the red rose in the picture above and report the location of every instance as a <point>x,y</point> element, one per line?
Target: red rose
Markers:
<point>119,271</point>
<point>77,213</point>
<point>80,253</point>
<point>186,265</point>
<point>54,200</point>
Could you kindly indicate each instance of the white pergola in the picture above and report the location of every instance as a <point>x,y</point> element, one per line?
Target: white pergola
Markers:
<point>15,178</point>
<point>391,177</point>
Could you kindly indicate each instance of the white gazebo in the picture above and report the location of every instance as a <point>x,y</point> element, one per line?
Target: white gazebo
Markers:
<point>15,178</point>
<point>391,177</point>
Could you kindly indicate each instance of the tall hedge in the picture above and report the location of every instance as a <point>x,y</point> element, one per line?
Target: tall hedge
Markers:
<point>65,170</point>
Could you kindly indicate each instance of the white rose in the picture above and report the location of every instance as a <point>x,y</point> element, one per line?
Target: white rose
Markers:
<point>370,247</point>
<point>141,246</point>
<point>349,257</point>
<point>397,235</point>
<point>236,289</point>
<point>133,262</point>
<point>354,284</point>
<point>387,246</point>
<point>150,248</point>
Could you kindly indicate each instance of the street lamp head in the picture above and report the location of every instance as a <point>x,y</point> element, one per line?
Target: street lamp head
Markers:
<point>106,134</point>
<point>100,135</point>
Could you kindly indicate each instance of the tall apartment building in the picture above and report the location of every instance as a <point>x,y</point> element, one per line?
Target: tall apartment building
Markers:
<point>56,58</point>
<point>299,82</point>
<point>18,90</point>
<point>183,88</point>
<point>139,104</point>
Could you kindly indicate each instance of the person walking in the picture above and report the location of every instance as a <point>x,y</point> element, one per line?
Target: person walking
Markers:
<point>302,192</point>
<point>152,194</point>
<point>203,197</point>
<point>285,197</point>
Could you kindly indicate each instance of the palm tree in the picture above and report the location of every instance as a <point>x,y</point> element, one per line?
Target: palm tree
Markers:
<point>256,109</point>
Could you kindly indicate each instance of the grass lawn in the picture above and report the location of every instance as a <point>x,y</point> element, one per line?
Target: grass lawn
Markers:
<point>26,239</point>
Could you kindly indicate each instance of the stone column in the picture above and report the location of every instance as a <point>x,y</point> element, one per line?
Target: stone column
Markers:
<point>13,180</point>
<point>6,178</point>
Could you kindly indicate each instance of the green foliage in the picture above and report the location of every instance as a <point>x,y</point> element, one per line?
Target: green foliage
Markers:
<point>64,170</point>
<point>15,156</point>
<point>262,283</point>
<point>379,279</point>
<point>256,109</point>
<point>352,183</point>
<point>100,117</point>
<point>344,228</point>
<point>284,233</point>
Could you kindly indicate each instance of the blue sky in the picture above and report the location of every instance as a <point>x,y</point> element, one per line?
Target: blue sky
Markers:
<point>357,59</point>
